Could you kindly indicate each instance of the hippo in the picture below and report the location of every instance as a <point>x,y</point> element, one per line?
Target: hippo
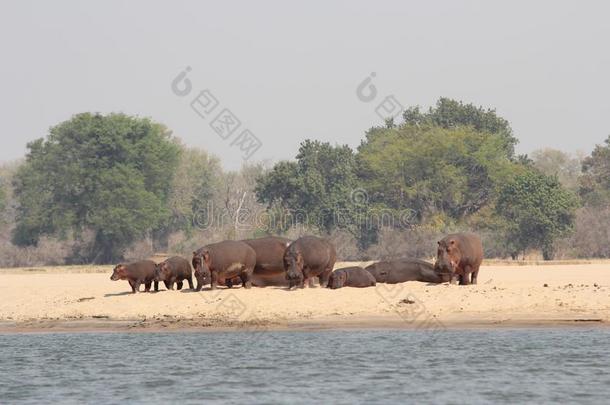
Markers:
<point>224,261</point>
<point>269,269</point>
<point>460,255</point>
<point>351,277</point>
<point>142,272</point>
<point>401,270</point>
<point>174,270</point>
<point>309,257</point>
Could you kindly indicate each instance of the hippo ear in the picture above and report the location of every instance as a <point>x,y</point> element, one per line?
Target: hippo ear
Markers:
<point>452,242</point>
<point>439,242</point>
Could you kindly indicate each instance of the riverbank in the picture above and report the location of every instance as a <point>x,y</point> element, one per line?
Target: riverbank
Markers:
<point>50,299</point>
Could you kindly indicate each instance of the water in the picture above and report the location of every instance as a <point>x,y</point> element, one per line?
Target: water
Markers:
<point>381,366</point>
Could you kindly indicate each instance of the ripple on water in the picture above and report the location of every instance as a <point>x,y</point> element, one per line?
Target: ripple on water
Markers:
<point>500,366</point>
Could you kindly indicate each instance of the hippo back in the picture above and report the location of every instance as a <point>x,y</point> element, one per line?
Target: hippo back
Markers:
<point>269,254</point>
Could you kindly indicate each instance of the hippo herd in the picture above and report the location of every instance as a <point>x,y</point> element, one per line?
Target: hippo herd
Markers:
<point>276,261</point>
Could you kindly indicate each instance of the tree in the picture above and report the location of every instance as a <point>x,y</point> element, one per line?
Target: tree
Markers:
<point>237,208</point>
<point>109,174</point>
<point>595,181</point>
<point>196,182</point>
<point>318,189</point>
<point>445,172</point>
<point>537,211</point>
<point>450,113</point>
<point>554,162</point>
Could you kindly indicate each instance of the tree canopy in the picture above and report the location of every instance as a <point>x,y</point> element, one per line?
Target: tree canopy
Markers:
<point>450,113</point>
<point>595,181</point>
<point>316,188</point>
<point>537,211</point>
<point>433,170</point>
<point>107,173</point>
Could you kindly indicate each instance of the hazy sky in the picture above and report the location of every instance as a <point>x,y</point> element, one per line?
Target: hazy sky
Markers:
<point>289,70</point>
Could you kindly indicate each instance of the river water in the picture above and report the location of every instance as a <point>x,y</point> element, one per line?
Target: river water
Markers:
<point>369,366</point>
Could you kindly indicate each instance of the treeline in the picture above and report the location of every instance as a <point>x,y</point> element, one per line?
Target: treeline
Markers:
<point>103,188</point>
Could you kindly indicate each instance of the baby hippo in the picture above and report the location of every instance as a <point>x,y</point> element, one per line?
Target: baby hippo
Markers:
<point>137,273</point>
<point>174,270</point>
<point>351,277</point>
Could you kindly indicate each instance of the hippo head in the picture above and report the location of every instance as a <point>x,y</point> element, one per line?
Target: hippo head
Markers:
<point>337,280</point>
<point>119,273</point>
<point>162,272</point>
<point>448,257</point>
<point>378,271</point>
<point>293,264</point>
<point>201,263</point>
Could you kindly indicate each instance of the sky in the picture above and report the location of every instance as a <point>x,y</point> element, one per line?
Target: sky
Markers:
<point>289,71</point>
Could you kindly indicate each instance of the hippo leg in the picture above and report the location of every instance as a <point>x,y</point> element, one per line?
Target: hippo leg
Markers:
<point>156,283</point>
<point>179,285</point>
<point>136,286</point>
<point>190,281</point>
<point>132,284</point>
<point>214,283</point>
<point>166,284</point>
<point>170,284</point>
<point>475,276</point>
<point>324,276</point>
<point>245,281</point>
<point>465,278</point>
<point>147,286</point>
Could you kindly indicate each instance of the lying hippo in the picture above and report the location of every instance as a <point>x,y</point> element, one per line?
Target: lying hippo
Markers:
<point>309,257</point>
<point>461,255</point>
<point>174,270</point>
<point>401,270</point>
<point>269,269</point>
<point>350,277</point>
<point>137,273</point>
<point>224,261</point>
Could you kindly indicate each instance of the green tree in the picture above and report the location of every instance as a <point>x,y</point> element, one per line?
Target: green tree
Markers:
<point>449,173</point>
<point>595,181</point>
<point>537,211</point>
<point>109,174</point>
<point>318,189</point>
<point>450,113</point>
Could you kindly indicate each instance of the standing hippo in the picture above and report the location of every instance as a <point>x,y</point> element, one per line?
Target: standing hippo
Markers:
<point>401,270</point>
<point>269,269</point>
<point>309,257</point>
<point>142,272</point>
<point>224,261</point>
<point>460,254</point>
<point>351,277</point>
<point>174,270</point>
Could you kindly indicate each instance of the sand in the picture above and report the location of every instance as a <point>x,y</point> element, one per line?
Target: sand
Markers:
<point>86,299</point>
